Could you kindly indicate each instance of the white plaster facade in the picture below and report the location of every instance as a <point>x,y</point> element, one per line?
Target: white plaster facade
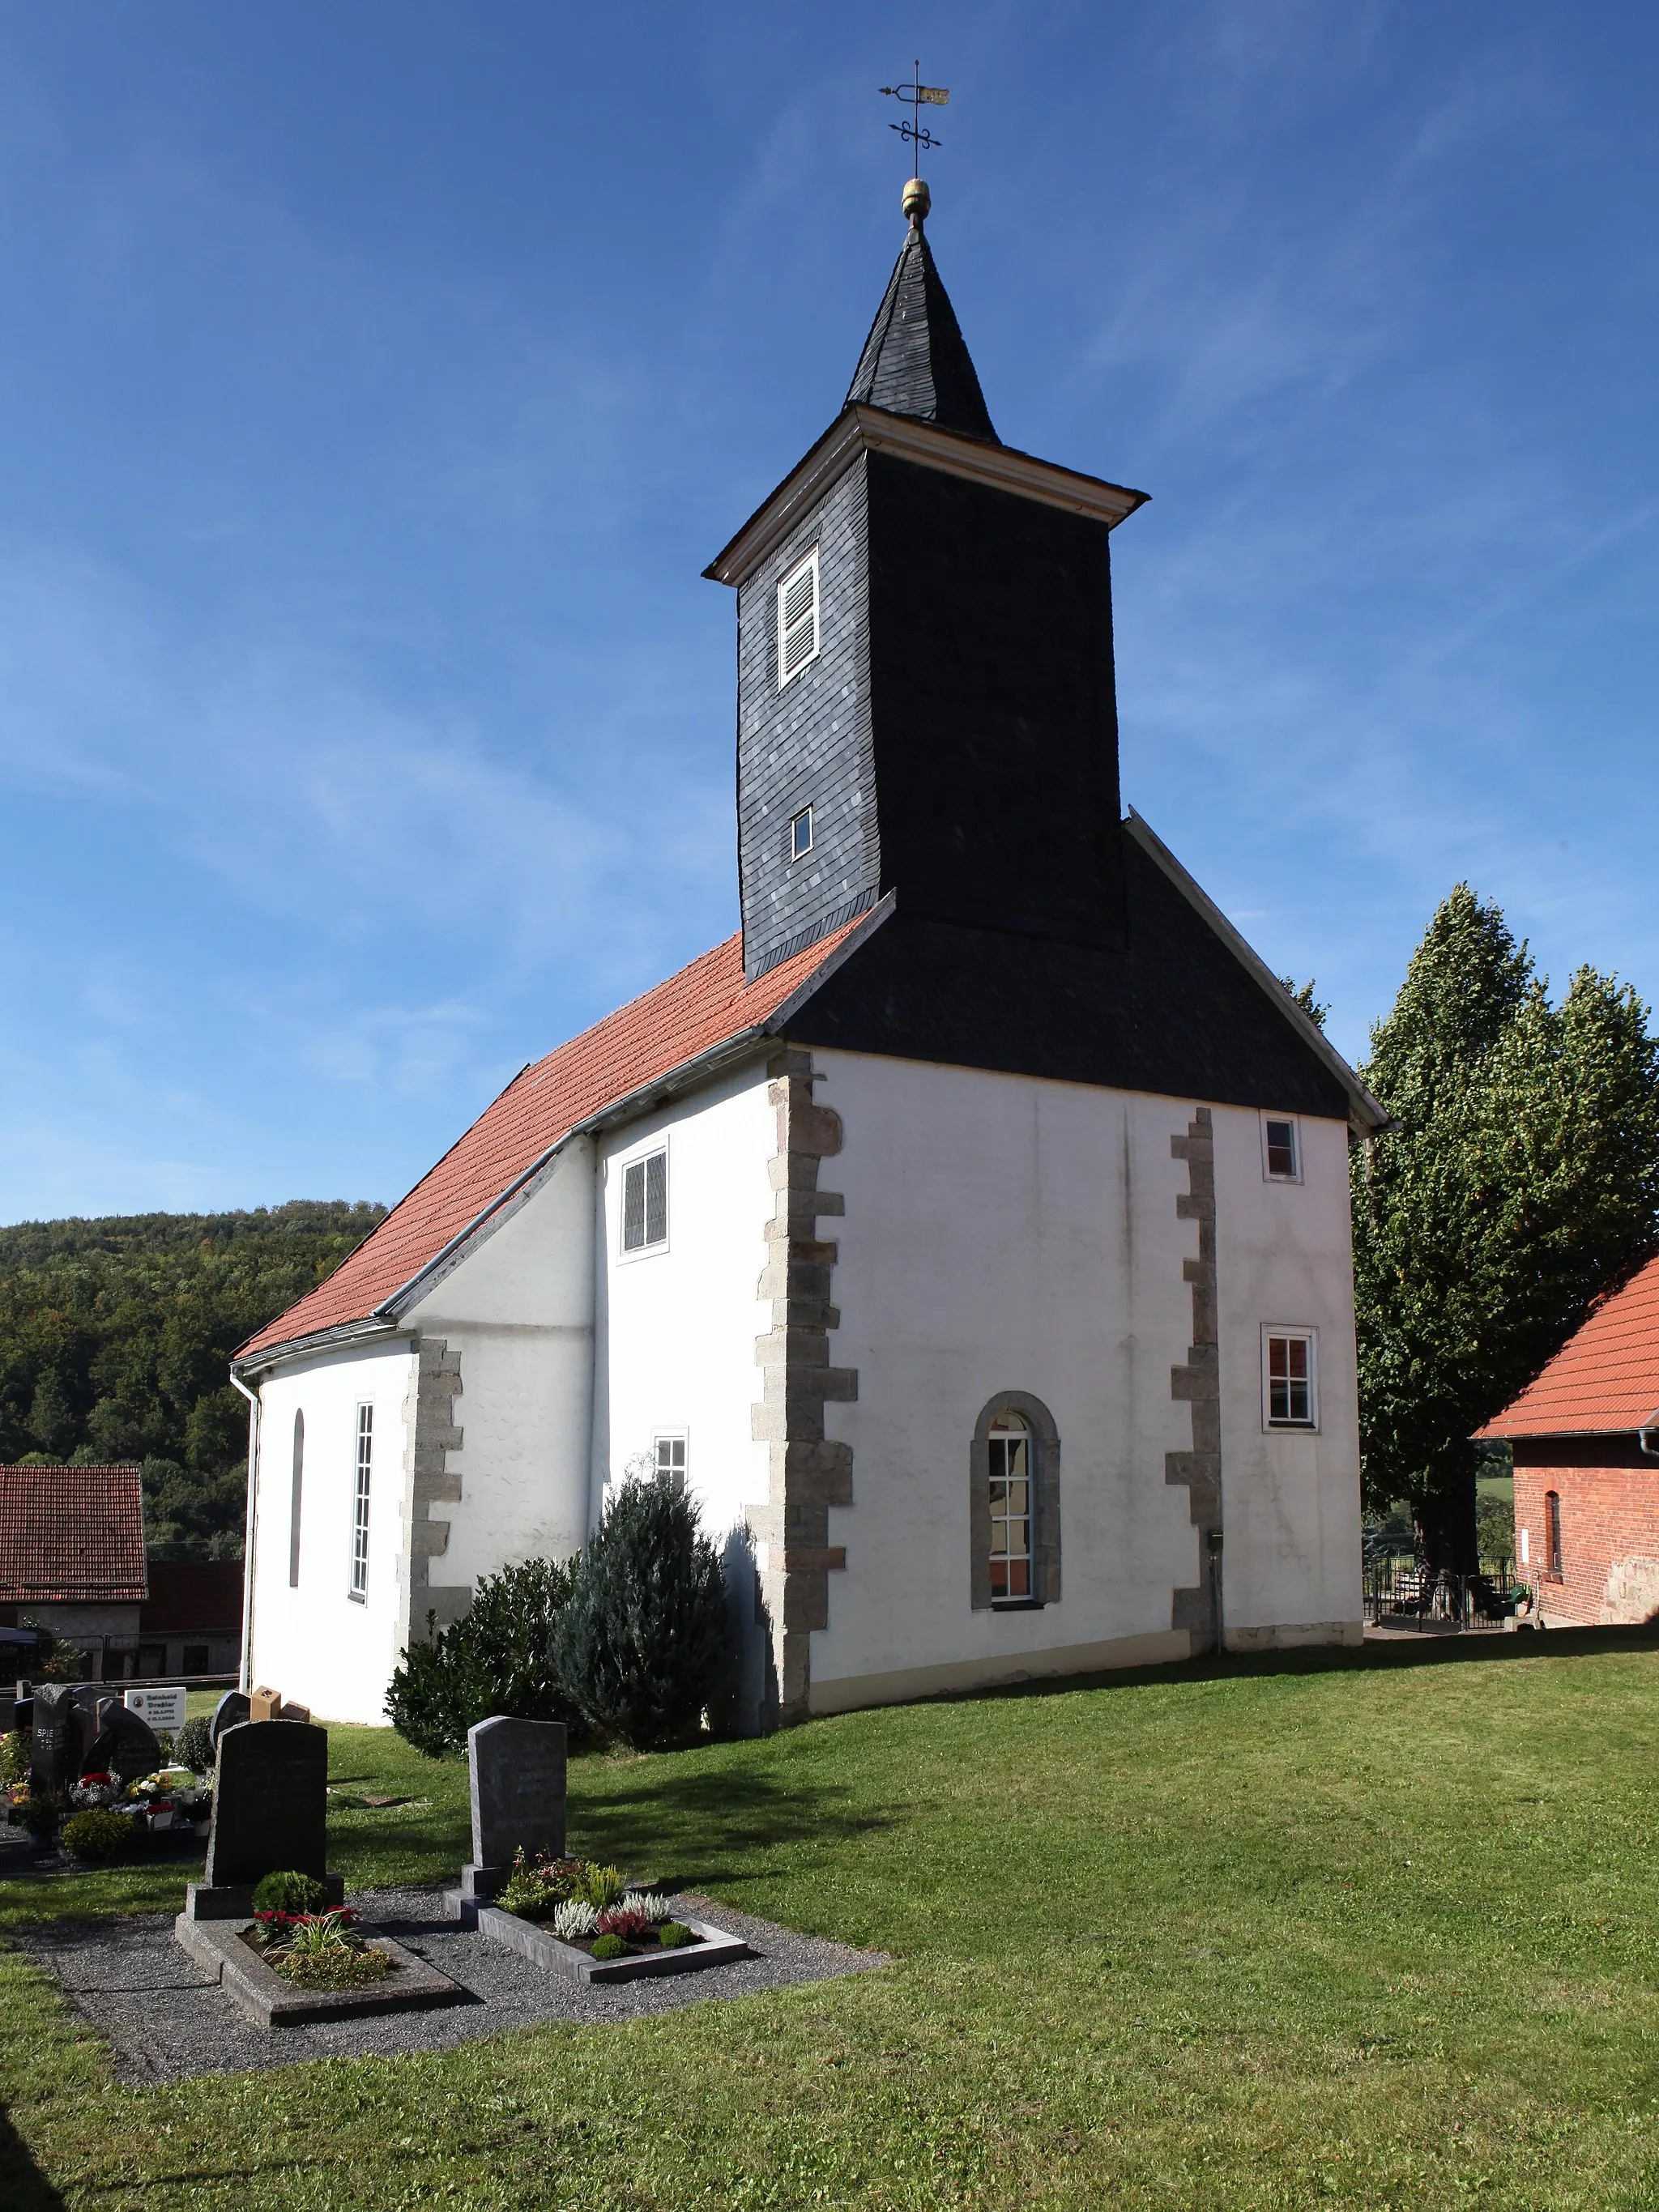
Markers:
<point>999,1233</point>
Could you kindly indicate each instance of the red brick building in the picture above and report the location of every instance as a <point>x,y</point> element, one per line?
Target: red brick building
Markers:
<point>1585,1436</point>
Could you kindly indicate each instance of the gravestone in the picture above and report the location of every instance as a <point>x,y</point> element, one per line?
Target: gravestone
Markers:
<point>232,1709</point>
<point>58,1735</point>
<point>270,1804</point>
<point>517,1772</point>
<point>266,1705</point>
<point>162,1709</point>
<point>125,1746</point>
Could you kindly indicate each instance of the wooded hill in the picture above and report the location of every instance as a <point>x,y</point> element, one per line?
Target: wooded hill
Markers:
<point>116,1336</point>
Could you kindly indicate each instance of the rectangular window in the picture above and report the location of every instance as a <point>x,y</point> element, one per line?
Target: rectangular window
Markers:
<point>360,1501</point>
<point>1552,1531</point>
<point>1290,1379</point>
<point>645,1202</point>
<point>670,1455</point>
<point>1011,1512</point>
<point>1281,1148</point>
<point>800,836</point>
<point>798,618</point>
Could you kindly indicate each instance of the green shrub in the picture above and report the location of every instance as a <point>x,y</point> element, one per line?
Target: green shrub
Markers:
<point>98,1833</point>
<point>641,1640</point>
<point>16,1749</point>
<point>673,1933</point>
<point>609,1947</point>
<point>601,1887</point>
<point>497,1658</point>
<point>537,1890</point>
<point>290,1893</point>
<point>194,1747</point>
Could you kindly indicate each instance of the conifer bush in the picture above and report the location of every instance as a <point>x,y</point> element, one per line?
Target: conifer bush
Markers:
<point>498,1658</point>
<point>194,1747</point>
<point>642,1641</point>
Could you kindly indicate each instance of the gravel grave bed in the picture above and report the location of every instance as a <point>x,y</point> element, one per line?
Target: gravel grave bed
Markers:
<point>164,2021</point>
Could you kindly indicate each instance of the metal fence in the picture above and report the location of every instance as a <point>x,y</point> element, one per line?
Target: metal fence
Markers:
<point>1401,1591</point>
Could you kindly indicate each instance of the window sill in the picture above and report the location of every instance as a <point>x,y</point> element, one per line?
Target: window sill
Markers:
<point>356,1597</point>
<point>1291,1428</point>
<point>1018,1604</point>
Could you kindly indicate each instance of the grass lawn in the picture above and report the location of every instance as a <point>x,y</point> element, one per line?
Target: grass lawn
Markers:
<point>1382,1930</point>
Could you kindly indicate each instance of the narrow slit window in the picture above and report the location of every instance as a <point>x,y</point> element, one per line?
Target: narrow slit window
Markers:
<point>360,1501</point>
<point>645,1202</point>
<point>1552,1531</point>
<point>294,1498</point>
<point>800,836</point>
<point>1281,1150</point>
<point>670,1460</point>
<point>798,618</point>
<point>1011,1510</point>
<point>1292,1384</point>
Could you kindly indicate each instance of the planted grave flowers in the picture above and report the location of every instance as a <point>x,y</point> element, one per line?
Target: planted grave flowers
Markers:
<point>589,1906</point>
<point>314,1946</point>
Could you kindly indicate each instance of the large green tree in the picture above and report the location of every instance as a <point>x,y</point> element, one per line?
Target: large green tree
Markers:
<point>116,1336</point>
<point>1520,1180</point>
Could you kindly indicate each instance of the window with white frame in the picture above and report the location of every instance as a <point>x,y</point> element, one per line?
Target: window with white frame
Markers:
<point>645,1202</point>
<point>1011,1510</point>
<point>668,1451</point>
<point>800,835</point>
<point>1290,1377</point>
<point>1281,1148</point>
<point>360,1501</point>
<point>798,618</point>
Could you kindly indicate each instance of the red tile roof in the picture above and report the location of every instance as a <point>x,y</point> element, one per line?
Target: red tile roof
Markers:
<point>75,1534</point>
<point>1605,1377</point>
<point>705,1005</point>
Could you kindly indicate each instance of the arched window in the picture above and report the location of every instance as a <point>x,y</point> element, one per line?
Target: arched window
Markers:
<point>1552,1532</point>
<point>293,1501</point>
<point>1014,1503</point>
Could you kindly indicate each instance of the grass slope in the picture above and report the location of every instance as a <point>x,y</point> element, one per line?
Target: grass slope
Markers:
<point>1378,1932</point>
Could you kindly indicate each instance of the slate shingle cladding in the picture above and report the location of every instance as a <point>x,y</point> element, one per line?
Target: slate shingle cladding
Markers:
<point>915,360</point>
<point>808,744</point>
<point>1173,1013</point>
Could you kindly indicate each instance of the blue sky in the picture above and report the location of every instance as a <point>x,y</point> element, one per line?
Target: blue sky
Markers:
<point>377,381</point>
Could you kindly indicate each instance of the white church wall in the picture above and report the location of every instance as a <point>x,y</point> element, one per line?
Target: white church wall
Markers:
<point>1002,1233</point>
<point>314,1642</point>
<point>676,1326</point>
<point>1291,1502</point>
<point>519,1311</point>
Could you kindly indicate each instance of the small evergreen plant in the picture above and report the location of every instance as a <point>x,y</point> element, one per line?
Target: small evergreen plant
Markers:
<point>498,1658</point>
<point>194,1747</point>
<point>642,1641</point>
<point>289,1892</point>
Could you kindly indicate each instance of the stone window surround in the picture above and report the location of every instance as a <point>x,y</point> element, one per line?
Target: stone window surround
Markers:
<point>1045,1505</point>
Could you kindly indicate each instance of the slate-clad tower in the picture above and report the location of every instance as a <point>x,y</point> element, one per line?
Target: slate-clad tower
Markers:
<point>925,697</point>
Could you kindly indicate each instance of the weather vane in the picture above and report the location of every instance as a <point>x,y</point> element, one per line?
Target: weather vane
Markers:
<point>917,95</point>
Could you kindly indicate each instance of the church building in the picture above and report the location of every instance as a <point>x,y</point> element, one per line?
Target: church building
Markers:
<point>968,1232</point>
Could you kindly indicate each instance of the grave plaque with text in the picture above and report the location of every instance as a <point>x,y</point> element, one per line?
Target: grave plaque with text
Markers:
<point>55,1744</point>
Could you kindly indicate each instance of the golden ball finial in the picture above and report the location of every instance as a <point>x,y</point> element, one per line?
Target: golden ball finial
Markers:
<point>916,202</point>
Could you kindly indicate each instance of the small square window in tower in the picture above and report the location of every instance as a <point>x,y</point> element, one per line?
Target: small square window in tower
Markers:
<point>798,618</point>
<point>1282,1153</point>
<point>800,836</point>
<point>645,1202</point>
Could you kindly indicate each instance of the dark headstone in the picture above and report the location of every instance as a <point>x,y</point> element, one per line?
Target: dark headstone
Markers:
<point>58,1735</point>
<point>269,1804</point>
<point>516,1772</point>
<point>125,1746</point>
<point>231,1711</point>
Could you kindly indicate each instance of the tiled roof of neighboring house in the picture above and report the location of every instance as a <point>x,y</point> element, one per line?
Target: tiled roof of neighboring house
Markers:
<point>193,1597</point>
<point>694,1012</point>
<point>1605,1377</point>
<point>72,1534</point>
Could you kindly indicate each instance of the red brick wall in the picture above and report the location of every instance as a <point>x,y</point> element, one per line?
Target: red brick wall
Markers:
<point>1609,1541</point>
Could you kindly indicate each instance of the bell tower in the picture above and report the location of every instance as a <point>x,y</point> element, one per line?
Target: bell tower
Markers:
<point>926,702</point>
